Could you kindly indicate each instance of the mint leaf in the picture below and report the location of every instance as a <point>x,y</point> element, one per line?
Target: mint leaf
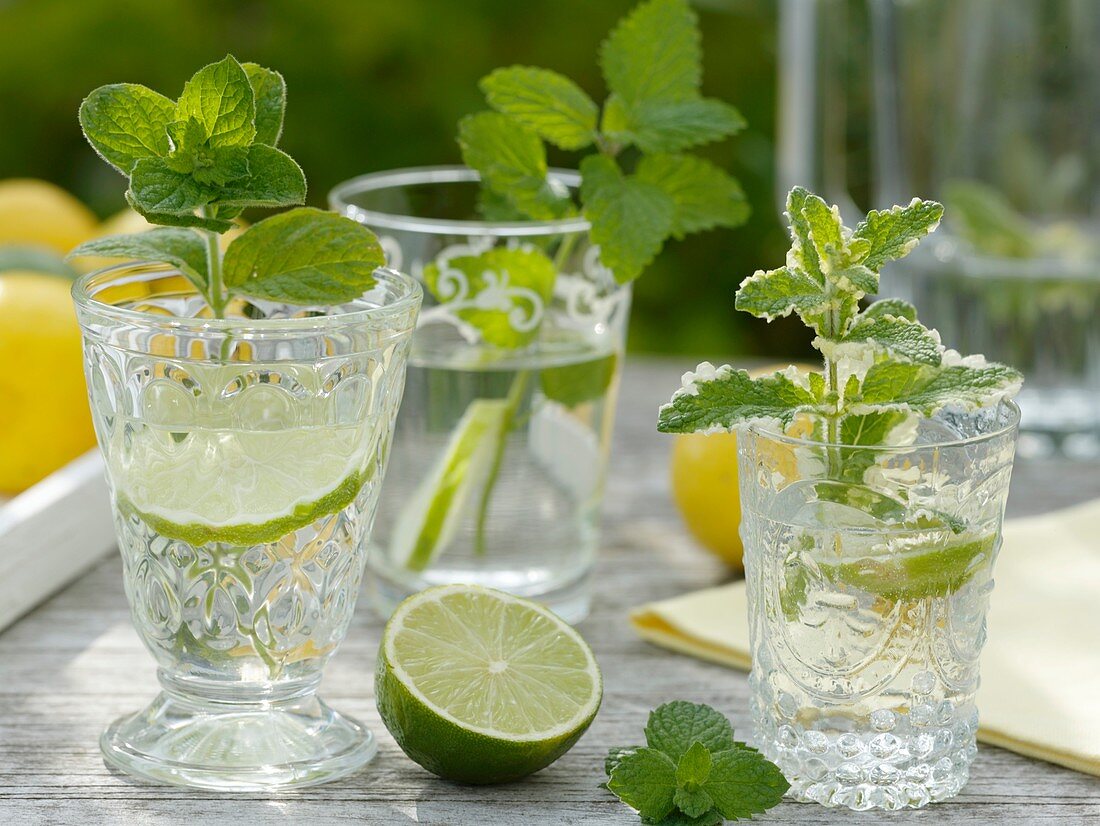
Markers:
<point>891,306</point>
<point>678,818</point>
<point>676,726</point>
<point>703,195</point>
<point>615,756</point>
<point>672,125</point>
<point>908,340</point>
<point>871,428</point>
<point>574,384</point>
<point>777,293</point>
<point>274,180</point>
<point>645,780</point>
<point>743,783</point>
<point>304,256</point>
<point>550,105</point>
<point>269,94</point>
<point>181,248</point>
<point>890,381</point>
<point>693,802</point>
<point>512,162</point>
<point>891,234</point>
<point>125,122</point>
<point>963,386</point>
<point>181,219</point>
<point>694,764</point>
<point>716,400</point>
<point>158,189</point>
<point>210,166</point>
<point>630,218</point>
<point>654,53</point>
<point>219,97</point>
<point>803,255</point>
<point>505,293</point>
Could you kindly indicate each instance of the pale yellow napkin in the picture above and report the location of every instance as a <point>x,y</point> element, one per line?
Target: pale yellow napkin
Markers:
<point>1040,687</point>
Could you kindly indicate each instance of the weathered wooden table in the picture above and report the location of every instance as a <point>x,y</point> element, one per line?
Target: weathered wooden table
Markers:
<point>75,663</point>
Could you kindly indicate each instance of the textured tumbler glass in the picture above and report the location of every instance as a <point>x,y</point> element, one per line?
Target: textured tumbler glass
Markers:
<point>869,572</point>
<point>244,457</point>
<point>501,448</point>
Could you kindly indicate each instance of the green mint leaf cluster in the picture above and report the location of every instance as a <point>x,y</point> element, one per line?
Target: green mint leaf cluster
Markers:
<point>636,200</point>
<point>195,163</point>
<point>692,771</point>
<point>882,367</point>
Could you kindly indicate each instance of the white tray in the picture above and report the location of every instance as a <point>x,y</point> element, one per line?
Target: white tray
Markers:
<point>52,533</point>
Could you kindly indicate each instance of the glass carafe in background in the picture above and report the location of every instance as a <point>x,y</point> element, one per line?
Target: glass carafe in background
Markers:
<point>991,104</point>
<point>501,447</point>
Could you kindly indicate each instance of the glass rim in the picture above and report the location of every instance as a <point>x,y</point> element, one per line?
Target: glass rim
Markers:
<point>1008,406</point>
<point>338,198</point>
<point>409,295</point>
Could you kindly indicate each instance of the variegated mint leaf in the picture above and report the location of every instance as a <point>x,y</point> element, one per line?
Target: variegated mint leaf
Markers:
<point>824,229</point>
<point>803,253</point>
<point>892,233</point>
<point>908,340</point>
<point>718,400</point>
<point>772,294</point>
<point>968,383</point>
<point>891,306</point>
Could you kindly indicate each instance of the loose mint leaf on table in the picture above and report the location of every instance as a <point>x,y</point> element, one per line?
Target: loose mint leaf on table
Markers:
<point>269,93</point>
<point>304,256</point>
<point>508,290</point>
<point>574,384</point>
<point>550,105</point>
<point>630,217</point>
<point>674,727</point>
<point>704,196</point>
<point>512,161</point>
<point>645,780</point>
<point>742,784</point>
<point>724,398</point>
<point>181,248</point>
<point>693,772</point>
<point>125,122</point>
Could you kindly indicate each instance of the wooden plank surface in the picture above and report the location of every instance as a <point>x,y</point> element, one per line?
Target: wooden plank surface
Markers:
<point>75,663</point>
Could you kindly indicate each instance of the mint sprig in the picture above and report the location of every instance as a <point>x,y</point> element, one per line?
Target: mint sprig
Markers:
<point>692,771</point>
<point>195,163</point>
<point>881,366</point>
<point>635,201</point>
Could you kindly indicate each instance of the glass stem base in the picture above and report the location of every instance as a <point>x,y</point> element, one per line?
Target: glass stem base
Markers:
<point>211,742</point>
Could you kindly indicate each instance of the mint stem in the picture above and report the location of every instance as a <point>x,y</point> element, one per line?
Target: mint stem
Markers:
<point>515,395</point>
<point>215,296</point>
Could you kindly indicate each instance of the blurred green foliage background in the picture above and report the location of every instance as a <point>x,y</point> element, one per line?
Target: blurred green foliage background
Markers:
<point>379,84</point>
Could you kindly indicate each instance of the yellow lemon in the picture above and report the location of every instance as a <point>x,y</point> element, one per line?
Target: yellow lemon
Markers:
<point>40,213</point>
<point>705,485</point>
<point>44,418</point>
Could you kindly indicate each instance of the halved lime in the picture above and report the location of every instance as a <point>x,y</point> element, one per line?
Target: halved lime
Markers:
<point>480,686</point>
<point>240,487</point>
<point>428,521</point>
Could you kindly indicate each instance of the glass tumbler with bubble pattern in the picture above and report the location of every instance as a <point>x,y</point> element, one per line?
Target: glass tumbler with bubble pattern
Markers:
<point>869,573</point>
<point>244,457</point>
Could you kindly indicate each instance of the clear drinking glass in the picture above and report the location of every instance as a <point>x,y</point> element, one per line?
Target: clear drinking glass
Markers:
<point>501,450</point>
<point>884,99</point>
<point>867,604</point>
<point>244,457</point>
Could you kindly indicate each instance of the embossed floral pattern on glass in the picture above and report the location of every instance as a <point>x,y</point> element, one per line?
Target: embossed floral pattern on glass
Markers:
<point>501,448</point>
<point>867,605</point>
<point>245,458</point>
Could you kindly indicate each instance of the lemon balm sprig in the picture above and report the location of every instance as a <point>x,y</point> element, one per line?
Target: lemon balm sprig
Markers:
<point>882,367</point>
<point>195,163</point>
<point>639,186</point>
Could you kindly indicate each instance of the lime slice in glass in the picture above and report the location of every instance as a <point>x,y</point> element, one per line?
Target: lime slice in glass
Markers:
<point>428,521</point>
<point>480,686</point>
<point>240,487</point>
<point>932,570</point>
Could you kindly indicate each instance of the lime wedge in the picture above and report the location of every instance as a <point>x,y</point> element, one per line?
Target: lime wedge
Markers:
<point>917,573</point>
<point>238,487</point>
<point>480,686</point>
<point>428,521</point>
